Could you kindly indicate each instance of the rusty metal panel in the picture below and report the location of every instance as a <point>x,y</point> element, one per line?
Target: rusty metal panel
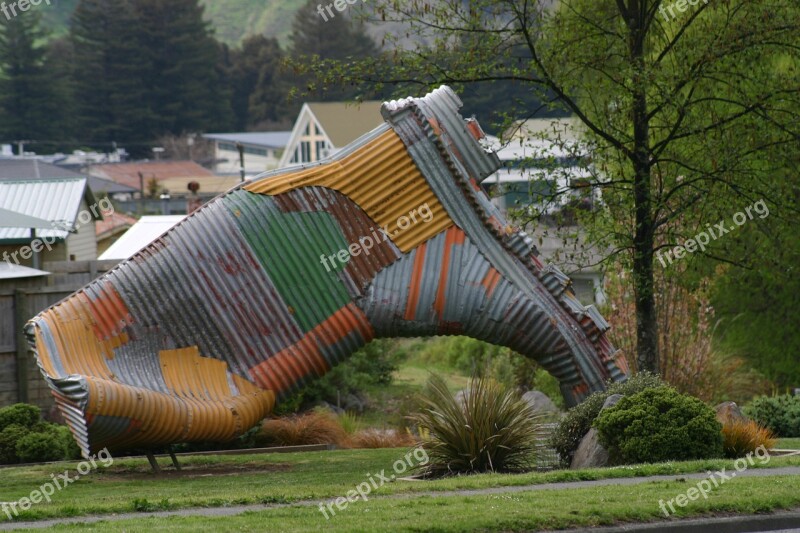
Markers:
<point>272,284</point>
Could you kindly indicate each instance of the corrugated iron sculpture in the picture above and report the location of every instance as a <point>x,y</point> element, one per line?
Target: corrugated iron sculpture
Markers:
<point>272,284</point>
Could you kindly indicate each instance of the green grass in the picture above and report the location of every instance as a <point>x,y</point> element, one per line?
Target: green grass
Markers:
<point>209,481</point>
<point>788,444</point>
<point>499,512</point>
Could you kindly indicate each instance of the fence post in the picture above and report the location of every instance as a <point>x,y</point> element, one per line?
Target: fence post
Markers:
<point>20,317</point>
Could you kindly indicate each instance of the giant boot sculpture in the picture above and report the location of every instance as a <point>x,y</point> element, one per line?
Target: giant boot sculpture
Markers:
<point>272,284</point>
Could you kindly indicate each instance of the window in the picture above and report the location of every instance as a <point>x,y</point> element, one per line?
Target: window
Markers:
<point>316,129</point>
<point>228,147</point>
<point>322,149</point>
<point>305,148</point>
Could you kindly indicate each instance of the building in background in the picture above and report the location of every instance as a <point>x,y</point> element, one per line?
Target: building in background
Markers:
<point>322,129</point>
<point>542,157</point>
<point>145,231</point>
<point>262,151</point>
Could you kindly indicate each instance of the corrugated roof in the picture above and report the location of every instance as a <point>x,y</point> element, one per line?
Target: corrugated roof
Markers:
<point>344,122</point>
<point>30,169</point>
<point>55,200</point>
<point>128,173</point>
<point>262,139</point>
<point>113,223</point>
<point>145,231</point>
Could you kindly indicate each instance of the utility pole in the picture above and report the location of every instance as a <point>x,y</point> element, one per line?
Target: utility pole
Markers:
<point>240,147</point>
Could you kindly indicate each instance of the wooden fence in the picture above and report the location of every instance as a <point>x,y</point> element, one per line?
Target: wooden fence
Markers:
<point>21,300</point>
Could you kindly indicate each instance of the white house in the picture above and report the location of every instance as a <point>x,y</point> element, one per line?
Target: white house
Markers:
<point>540,158</point>
<point>324,128</point>
<point>262,151</point>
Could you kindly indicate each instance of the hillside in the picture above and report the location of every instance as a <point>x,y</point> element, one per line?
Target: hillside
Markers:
<point>232,19</point>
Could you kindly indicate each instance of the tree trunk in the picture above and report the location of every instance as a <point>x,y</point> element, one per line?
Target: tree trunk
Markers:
<point>646,319</point>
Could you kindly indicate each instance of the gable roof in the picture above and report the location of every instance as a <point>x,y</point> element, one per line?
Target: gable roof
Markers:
<point>128,173</point>
<point>32,169</point>
<point>112,224</point>
<point>344,122</point>
<point>55,200</point>
<point>262,139</point>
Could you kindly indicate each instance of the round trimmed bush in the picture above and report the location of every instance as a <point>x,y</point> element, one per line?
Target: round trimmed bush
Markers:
<point>41,447</point>
<point>781,414</point>
<point>659,424</point>
<point>578,420</point>
<point>8,443</point>
<point>23,414</point>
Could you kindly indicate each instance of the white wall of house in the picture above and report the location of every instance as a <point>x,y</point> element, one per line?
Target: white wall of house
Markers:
<point>256,159</point>
<point>83,243</point>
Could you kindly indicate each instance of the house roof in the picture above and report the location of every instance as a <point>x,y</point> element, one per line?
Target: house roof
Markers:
<point>102,185</point>
<point>145,231</point>
<point>112,224</point>
<point>212,185</point>
<point>15,219</point>
<point>32,169</point>
<point>344,122</point>
<point>128,173</point>
<point>261,139</point>
<point>55,200</point>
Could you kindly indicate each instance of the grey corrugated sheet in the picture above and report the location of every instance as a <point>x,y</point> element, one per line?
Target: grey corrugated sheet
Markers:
<point>57,200</point>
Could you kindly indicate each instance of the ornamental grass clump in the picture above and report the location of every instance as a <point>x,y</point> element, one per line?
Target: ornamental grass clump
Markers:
<point>490,428</point>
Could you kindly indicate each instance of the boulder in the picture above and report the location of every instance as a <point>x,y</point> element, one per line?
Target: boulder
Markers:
<point>728,412</point>
<point>540,403</point>
<point>590,452</point>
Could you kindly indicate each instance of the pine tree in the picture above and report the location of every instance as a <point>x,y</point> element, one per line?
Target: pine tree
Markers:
<point>337,38</point>
<point>183,81</point>
<point>110,73</point>
<point>30,98</point>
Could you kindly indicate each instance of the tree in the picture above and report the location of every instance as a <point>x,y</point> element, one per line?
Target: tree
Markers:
<point>31,97</point>
<point>679,102</point>
<point>110,72</point>
<point>258,89</point>
<point>318,38</point>
<point>183,83</point>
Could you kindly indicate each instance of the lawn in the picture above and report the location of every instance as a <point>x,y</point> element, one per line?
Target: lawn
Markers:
<point>788,444</point>
<point>207,481</point>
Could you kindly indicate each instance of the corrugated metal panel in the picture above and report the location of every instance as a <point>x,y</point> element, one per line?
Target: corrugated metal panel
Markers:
<point>57,201</point>
<point>269,286</point>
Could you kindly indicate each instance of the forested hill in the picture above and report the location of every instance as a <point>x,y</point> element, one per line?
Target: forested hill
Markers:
<point>232,19</point>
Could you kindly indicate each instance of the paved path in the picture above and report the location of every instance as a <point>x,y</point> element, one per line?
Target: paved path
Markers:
<point>239,509</point>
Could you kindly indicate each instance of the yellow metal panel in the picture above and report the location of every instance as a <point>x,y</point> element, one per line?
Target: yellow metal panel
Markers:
<point>383,180</point>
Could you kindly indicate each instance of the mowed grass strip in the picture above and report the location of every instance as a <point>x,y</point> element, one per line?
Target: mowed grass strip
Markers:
<point>220,481</point>
<point>524,511</point>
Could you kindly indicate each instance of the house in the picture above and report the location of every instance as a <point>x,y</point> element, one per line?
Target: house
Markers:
<point>322,129</point>
<point>262,151</point>
<point>535,168</point>
<point>67,205</point>
<point>139,175</point>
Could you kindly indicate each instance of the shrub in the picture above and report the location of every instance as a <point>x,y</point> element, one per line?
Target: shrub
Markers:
<point>316,427</point>
<point>659,424</point>
<point>41,447</point>
<point>8,443</point>
<point>23,414</point>
<point>70,446</point>
<point>743,437</point>
<point>490,430</point>
<point>578,420</point>
<point>378,438</point>
<point>781,414</point>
